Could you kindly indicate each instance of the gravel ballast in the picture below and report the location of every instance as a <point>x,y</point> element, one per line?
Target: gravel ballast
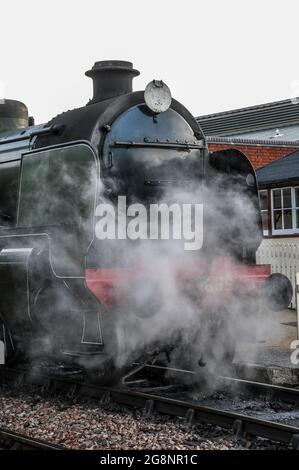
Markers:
<point>86,424</point>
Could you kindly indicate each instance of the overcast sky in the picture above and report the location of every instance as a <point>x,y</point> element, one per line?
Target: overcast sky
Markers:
<point>214,55</point>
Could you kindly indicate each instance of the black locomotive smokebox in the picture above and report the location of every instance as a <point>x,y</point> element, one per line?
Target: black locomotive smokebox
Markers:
<point>13,115</point>
<point>111,78</point>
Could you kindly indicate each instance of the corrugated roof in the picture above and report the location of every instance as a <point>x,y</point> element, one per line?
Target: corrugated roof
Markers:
<point>284,170</point>
<point>269,116</point>
<point>287,133</point>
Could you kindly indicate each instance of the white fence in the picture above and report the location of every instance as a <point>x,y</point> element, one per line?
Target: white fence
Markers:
<point>2,353</point>
<point>283,255</point>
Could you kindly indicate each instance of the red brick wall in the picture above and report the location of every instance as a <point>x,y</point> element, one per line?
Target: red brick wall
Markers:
<point>257,154</point>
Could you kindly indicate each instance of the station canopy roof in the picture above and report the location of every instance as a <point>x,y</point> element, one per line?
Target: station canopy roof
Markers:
<point>282,172</point>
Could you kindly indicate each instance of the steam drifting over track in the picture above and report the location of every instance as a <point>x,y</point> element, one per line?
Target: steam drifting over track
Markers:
<point>192,413</point>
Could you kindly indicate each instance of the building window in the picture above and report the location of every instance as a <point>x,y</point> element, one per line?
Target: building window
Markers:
<point>263,196</point>
<point>296,190</point>
<point>285,211</point>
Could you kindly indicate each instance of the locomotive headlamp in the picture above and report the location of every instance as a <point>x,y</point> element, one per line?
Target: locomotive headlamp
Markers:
<point>157,96</point>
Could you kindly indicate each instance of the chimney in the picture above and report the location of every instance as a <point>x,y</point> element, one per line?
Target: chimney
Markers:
<point>111,78</point>
<point>13,115</point>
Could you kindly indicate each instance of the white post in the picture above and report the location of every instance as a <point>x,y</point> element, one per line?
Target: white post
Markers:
<point>2,353</point>
<point>297,302</point>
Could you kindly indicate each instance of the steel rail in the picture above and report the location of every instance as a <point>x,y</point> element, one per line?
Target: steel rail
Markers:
<point>17,441</point>
<point>191,412</point>
<point>273,391</point>
<point>240,385</point>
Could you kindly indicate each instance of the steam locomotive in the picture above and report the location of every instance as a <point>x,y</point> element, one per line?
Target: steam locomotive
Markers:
<point>67,294</point>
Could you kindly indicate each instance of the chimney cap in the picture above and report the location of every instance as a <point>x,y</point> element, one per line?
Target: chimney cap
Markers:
<point>112,65</point>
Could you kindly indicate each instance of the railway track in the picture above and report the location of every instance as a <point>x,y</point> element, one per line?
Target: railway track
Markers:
<point>10,440</point>
<point>259,388</point>
<point>240,423</point>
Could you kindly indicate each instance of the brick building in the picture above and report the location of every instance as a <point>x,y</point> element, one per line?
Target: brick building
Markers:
<point>268,135</point>
<point>279,196</point>
<point>264,133</point>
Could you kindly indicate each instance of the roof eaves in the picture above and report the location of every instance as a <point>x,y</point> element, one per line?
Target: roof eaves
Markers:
<point>255,142</point>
